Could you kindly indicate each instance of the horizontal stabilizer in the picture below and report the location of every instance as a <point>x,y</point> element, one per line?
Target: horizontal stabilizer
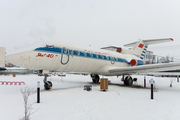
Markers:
<point>150,42</point>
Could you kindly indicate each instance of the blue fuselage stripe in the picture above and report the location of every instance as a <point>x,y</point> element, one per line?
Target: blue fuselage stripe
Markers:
<point>59,50</point>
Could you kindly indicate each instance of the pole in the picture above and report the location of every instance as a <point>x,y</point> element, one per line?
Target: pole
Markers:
<point>145,81</point>
<point>151,88</point>
<point>178,78</point>
<point>38,92</point>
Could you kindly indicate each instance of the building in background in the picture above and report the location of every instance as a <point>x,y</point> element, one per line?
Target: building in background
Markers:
<point>149,58</point>
<point>2,56</point>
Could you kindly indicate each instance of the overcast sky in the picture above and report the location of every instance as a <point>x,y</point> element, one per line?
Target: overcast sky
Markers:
<point>98,23</point>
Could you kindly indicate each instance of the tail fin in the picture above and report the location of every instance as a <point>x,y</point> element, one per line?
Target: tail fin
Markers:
<point>140,47</point>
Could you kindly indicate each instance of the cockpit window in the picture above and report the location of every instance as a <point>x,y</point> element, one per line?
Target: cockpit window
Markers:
<point>50,46</point>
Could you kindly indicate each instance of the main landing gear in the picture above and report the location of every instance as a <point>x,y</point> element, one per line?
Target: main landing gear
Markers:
<point>128,81</point>
<point>95,78</point>
<point>47,84</point>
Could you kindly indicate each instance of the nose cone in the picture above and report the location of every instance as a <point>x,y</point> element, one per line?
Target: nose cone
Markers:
<point>14,59</point>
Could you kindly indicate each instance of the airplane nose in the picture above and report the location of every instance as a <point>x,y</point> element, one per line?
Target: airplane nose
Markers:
<point>15,59</point>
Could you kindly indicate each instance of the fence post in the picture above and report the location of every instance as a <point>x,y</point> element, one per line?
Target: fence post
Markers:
<point>145,81</point>
<point>151,88</point>
<point>178,78</point>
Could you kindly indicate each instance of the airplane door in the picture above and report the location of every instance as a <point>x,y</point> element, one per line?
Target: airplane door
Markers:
<point>64,56</point>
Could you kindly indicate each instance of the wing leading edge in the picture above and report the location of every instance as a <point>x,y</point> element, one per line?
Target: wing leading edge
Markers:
<point>145,68</point>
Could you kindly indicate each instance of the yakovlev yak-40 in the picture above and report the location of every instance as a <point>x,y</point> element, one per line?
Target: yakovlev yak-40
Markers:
<point>66,57</point>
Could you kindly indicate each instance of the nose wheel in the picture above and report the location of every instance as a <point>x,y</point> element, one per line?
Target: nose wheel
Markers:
<point>47,84</point>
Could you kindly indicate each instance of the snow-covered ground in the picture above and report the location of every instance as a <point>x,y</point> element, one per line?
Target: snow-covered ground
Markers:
<point>69,101</point>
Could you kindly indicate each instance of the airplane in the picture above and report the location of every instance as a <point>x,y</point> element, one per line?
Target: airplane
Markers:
<point>69,57</point>
<point>13,70</point>
<point>2,68</point>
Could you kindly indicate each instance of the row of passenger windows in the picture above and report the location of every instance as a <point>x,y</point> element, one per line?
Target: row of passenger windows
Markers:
<point>87,54</point>
<point>91,55</point>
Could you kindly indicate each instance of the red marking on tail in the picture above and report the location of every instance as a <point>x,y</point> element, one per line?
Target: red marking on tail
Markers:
<point>171,39</point>
<point>140,45</point>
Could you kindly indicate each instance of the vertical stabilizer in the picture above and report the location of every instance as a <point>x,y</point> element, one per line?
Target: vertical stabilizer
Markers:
<point>140,47</point>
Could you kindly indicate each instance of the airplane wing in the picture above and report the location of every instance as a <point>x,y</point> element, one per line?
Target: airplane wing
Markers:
<point>145,68</point>
<point>161,73</point>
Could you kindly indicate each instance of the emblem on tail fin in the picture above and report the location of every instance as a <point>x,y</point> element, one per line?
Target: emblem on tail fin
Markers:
<point>140,45</point>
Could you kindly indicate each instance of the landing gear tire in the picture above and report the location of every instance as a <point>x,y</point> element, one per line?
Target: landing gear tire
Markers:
<point>128,81</point>
<point>95,78</point>
<point>48,85</point>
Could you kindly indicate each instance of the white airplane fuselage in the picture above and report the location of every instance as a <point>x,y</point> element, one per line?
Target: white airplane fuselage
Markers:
<point>65,57</point>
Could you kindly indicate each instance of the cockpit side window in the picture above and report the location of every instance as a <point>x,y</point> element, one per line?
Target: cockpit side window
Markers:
<point>50,46</point>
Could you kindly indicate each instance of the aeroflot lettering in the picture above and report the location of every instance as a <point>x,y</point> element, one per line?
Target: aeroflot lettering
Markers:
<point>97,52</point>
<point>45,55</point>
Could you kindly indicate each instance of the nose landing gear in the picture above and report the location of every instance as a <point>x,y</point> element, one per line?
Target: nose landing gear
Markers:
<point>47,84</point>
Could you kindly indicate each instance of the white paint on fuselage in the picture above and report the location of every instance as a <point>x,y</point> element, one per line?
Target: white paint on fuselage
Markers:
<point>30,59</point>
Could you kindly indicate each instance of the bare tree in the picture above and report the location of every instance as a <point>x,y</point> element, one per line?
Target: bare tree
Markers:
<point>26,92</point>
<point>167,59</point>
<point>172,59</point>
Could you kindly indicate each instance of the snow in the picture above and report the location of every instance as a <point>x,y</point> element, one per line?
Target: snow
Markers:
<point>69,101</point>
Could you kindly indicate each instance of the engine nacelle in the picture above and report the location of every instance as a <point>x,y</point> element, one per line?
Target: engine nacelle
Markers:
<point>123,51</point>
<point>133,62</point>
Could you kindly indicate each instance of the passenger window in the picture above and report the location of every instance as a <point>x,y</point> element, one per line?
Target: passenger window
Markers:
<point>78,52</point>
<point>102,57</point>
<point>91,55</point>
<point>50,46</point>
<point>84,54</point>
<point>107,58</point>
